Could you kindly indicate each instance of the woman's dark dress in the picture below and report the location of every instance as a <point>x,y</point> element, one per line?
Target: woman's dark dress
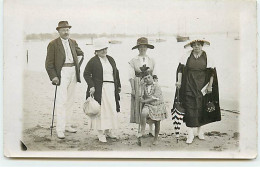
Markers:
<point>195,76</point>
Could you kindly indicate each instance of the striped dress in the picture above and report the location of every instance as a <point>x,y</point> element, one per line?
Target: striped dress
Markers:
<point>134,71</point>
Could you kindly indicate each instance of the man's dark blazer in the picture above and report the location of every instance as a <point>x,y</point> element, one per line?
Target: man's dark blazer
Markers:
<point>56,58</point>
<point>93,75</point>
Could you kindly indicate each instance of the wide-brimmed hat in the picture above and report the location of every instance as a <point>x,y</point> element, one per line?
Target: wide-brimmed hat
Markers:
<point>143,41</point>
<point>205,43</point>
<point>63,24</point>
<point>100,43</point>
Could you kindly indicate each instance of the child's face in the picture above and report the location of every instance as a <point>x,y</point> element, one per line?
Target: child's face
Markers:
<point>148,79</point>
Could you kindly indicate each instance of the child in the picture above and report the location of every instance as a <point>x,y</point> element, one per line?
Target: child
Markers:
<point>154,109</point>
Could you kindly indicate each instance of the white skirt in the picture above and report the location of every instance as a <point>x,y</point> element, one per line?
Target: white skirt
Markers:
<point>108,116</point>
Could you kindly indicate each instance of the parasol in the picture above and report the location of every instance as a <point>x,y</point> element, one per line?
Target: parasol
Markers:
<point>177,115</point>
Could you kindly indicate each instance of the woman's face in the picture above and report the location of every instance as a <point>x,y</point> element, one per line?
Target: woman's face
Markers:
<point>197,47</point>
<point>102,53</point>
<point>142,49</point>
<point>148,79</point>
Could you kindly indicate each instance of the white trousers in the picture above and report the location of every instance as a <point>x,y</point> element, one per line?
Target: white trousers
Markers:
<point>65,98</point>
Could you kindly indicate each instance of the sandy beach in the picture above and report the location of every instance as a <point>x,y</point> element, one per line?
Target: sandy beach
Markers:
<point>37,114</point>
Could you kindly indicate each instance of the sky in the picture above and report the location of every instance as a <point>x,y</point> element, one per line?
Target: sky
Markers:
<point>127,16</point>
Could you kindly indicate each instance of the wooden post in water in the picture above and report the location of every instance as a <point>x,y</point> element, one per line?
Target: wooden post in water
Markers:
<point>27,57</point>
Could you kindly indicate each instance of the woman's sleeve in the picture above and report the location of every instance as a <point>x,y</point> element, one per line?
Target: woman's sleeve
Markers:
<point>183,61</point>
<point>184,57</point>
<point>131,71</point>
<point>154,67</point>
<point>88,74</point>
<point>210,64</point>
<point>210,61</point>
<point>117,75</point>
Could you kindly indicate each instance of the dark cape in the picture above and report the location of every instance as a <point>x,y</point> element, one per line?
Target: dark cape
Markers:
<point>93,75</point>
<point>206,117</point>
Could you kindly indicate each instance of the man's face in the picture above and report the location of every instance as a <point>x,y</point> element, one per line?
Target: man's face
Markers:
<point>64,33</point>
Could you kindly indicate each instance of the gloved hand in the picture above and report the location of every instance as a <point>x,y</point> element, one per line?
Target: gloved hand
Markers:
<point>55,81</point>
<point>92,91</point>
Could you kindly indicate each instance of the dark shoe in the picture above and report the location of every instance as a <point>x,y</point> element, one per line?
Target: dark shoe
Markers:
<point>139,141</point>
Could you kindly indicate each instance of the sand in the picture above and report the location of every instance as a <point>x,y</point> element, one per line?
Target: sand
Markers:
<point>37,114</point>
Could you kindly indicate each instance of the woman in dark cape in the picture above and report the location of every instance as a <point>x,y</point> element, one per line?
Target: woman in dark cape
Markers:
<point>102,77</point>
<point>198,84</point>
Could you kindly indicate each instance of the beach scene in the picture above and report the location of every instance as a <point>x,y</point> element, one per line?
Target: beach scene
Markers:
<point>168,25</point>
<point>39,97</point>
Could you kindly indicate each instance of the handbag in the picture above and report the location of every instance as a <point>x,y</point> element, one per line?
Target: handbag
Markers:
<point>210,107</point>
<point>91,107</point>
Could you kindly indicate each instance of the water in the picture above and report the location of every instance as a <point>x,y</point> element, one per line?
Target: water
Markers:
<point>224,50</point>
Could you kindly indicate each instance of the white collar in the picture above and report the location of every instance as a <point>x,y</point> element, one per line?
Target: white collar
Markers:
<point>146,56</point>
<point>103,59</point>
<point>63,40</point>
<point>197,55</point>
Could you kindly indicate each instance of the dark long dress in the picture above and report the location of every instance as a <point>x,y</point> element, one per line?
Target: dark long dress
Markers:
<point>195,76</point>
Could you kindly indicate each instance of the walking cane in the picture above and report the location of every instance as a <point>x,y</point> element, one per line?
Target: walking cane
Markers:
<point>53,109</point>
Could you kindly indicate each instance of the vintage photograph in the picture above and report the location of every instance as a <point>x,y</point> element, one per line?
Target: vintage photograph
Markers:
<point>130,79</point>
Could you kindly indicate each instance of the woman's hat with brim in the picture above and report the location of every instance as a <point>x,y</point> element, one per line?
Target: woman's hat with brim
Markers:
<point>205,43</point>
<point>143,41</point>
<point>63,24</point>
<point>100,44</point>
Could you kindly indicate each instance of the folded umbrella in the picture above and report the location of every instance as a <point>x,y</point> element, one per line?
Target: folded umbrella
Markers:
<point>177,115</point>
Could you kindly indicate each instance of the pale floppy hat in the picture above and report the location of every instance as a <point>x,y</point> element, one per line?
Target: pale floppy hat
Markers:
<point>205,43</point>
<point>100,43</point>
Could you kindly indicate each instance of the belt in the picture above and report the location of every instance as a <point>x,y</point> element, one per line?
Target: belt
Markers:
<point>108,81</point>
<point>68,64</point>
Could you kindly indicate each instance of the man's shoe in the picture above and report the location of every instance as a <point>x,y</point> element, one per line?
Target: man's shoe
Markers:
<point>71,130</point>
<point>60,135</point>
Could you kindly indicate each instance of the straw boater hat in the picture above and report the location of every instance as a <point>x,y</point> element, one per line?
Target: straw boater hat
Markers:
<point>206,43</point>
<point>63,24</point>
<point>143,41</point>
<point>100,44</point>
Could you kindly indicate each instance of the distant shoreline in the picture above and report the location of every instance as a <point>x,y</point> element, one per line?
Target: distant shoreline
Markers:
<point>47,36</point>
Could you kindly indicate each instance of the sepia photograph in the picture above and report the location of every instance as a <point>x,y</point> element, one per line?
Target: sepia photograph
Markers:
<point>130,79</point>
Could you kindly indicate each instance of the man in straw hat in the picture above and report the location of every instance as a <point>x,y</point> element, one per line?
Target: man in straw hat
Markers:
<point>63,62</point>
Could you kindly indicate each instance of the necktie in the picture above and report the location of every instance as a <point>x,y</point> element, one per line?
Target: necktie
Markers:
<point>67,51</point>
